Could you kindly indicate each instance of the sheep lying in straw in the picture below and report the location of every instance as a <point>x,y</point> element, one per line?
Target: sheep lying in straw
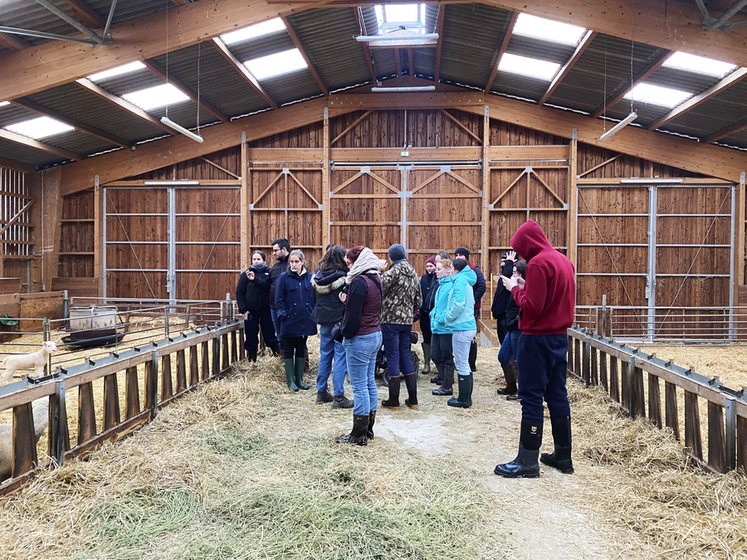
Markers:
<point>40,408</point>
<point>35,361</point>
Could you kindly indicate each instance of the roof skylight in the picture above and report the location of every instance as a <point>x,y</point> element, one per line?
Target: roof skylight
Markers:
<point>4,103</point>
<point>532,67</point>
<point>699,64</point>
<point>39,128</point>
<point>256,30</point>
<point>276,64</point>
<point>540,28</point>
<point>393,17</point>
<point>118,71</point>
<point>657,95</point>
<point>155,97</point>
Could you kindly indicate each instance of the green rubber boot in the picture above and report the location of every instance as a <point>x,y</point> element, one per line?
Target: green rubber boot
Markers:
<point>290,374</point>
<point>300,362</point>
<point>464,400</point>
<point>426,359</point>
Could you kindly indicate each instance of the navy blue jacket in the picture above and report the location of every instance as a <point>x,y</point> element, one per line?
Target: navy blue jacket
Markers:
<point>500,299</point>
<point>294,302</point>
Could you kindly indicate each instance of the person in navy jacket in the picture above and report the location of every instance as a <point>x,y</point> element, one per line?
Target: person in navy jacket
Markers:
<point>294,303</point>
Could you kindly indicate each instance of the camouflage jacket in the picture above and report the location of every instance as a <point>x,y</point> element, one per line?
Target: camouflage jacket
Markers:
<point>402,296</point>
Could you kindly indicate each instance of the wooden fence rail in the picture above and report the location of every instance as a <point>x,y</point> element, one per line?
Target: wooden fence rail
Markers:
<point>633,378</point>
<point>217,358</point>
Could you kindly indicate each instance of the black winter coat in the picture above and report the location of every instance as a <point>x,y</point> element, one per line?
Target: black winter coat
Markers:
<point>512,314</point>
<point>277,269</point>
<point>328,284</point>
<point>428,286</point>
<point>500,298</point>
<point>253,295</point>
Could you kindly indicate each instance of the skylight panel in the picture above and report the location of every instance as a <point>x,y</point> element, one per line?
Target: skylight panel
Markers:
<point>257,30</point>
<point>39,128</point>
<point>118,71</point>
<point>410,17</point>
<point>531,67</point>
<point>276,64</point>
<point>4,103</point>
<point>540,28</point>
<point>699,64</point>
<point>657,95</point>
<point>155,97</point>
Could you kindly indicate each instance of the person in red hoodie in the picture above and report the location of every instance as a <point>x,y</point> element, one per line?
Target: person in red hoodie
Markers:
<point>546,300</point>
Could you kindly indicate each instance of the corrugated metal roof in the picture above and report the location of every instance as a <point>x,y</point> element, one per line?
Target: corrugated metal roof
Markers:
<point>713,115</point>
<point>539,49</point>
<point>290,87</point>
<point>129,9</point>
<point>384,62</point>
<point>425,63</point>
<point>130,82</point>
<point>262,46</point>
<point>739,139</point>
<point>78,142</point>
<point>26,154</point>
<point>519,86</point>
<point>33,16</point>
<point>10,114</point>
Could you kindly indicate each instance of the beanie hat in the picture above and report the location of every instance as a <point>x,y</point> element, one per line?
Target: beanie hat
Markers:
<point>462,251</point>
<point>396,252</point>
<point>431,260</point>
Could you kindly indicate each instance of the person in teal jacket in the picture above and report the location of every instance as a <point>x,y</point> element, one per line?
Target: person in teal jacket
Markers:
<point>460,317</point>
<point>441,350</point>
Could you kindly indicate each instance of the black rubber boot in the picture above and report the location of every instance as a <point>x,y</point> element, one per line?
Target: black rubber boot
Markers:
<point>358,435</point>
<point>525,465</point>
<point>473,356</point>
<point>251,355</point>
<point>290,374</point>
<point>371,422</point>
<point>561,457</point>
<point>300,362</point>
<point>393,400</point>
<point>510,374</point>
<point>464,400</point>
<point>323,397</point>
<point>439,379</point>
<point>411,382</point>
<point>426,359</point>
<point>445,389</point>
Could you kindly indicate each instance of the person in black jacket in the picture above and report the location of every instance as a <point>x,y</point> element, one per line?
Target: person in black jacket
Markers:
<point>252,297</point>
<point>478,290</point>
<point>500,298</point>
<point>328,282</point>
<point>428,286</point>
<point>511,342</point>
<point>281,248</point>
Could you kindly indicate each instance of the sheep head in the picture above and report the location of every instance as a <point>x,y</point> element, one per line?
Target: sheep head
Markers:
<point>49,347</point>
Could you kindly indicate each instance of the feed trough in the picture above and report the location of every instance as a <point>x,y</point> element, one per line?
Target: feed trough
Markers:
<point>93,326</point>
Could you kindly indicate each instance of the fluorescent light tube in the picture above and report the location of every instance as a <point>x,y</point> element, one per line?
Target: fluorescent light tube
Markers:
<point>404,88</point>
<point>169,183</point>
<point>181,130</point>
<point>652,180</point>
<point>619,126</point>
<point>395,37</point>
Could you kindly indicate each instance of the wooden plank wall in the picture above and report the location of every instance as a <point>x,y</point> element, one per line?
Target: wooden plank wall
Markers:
<point>77,236</point>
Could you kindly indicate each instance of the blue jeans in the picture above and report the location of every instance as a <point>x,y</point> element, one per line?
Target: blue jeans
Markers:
<point>276,324</point>
<point>460,342</point>
<point>360,352</point>
<point>543,361</point>
<point>509,348</point>
<point>329,348</point>
<point>397,349</point>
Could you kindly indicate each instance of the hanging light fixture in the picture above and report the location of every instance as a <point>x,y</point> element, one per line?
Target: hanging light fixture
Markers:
<point>619,126</point>
<point>181,130</point>
<point>402,88</point>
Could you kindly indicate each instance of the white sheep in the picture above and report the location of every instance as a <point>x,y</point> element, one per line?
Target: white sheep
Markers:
<point>40,408</point>
<point>35,361</point>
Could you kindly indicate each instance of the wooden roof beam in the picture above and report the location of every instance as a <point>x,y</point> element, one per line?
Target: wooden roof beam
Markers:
<point>75,123</point>
<point>398,63</point>
<point>17,165</point>
<point>86,14</point>
<point>244,71</point>
<point>738,126</point>
<point>735,77</point>
<point>410,62</point>
<point>439,44</point>
<point>159,71</point>
<point>641,76</point>
<point>13,42</point>
<point>366,48</point>
<point>85,83</point>
<point>563,72</point>
<point>299,46</point>
<point>26,141</point>
<point>502,49</point>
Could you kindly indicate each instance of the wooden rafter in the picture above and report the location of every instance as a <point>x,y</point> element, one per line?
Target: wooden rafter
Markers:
<point>17,165</point>
<point>13,42</point>
<point>159,71</point>
<point>642,75</point>
<point>728,131</point>
<point>244,71</point>
<point>367,50</point>
<point>735,77</point>
<point>302,50</point>
<point>501,51</point>
<point>563,72</point>
<point>398,63</point>
<point>410,62</point>
<point>439,45</point>
<point>86,14</point>
<point>75,123</point>
<point>85,83</point>
<point>26,141</point>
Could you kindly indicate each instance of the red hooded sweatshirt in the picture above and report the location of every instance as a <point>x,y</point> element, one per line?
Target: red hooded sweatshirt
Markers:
<point>548,299</point>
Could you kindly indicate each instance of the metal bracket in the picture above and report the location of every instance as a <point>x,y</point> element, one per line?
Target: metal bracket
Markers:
<point>326,113</point>
<point>96,181</point>
<point>445,169</point>
<point>366,169</point>
<point>251,206</point>
<point>286,171</point>
<point>491,207</point>
<point>331,194</point>
<point>320,206</point>
<point>404,194</point>
<point>566,206</point>
<point>741,177</point>
<point>528,169</point>
<point>574,134</point>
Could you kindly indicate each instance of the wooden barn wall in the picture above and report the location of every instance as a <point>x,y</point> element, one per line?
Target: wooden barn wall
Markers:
<point>447,209</point>
<point>76,251</point>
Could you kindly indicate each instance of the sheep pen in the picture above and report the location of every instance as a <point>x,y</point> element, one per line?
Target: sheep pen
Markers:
<point>241,468</point>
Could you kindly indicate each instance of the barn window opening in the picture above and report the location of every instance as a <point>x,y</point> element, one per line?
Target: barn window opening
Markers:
<point>253,31</point>
<point>532,67</point>
<point>540,28</point>
<point>155,97</point>
<point>699,65</point>
<point>276,64</point>
<point>657,95</point>
<point>403,17</point>
<point>118,71</point>
<point>41,127</point>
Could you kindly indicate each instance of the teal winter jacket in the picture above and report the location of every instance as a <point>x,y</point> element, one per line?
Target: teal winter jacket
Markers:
<point>460,315</point>
<point>441,306</point>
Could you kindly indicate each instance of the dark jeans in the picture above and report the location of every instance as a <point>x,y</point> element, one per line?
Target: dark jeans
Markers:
<point>542,362</point>
<point>256,320</point>
<point>291,343</point>
<point>397,349</point>
<point>442,353</point>
<point>501,328</point>
<point>425,327</point>
<point>276,323</point>
<point>509,348</point>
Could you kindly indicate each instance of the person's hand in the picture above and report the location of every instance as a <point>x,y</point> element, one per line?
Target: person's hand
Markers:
<point>250,274</point>
<point>246,316</point>
<point>383,263</point>
<point>509,283</point>
<point>520,282</point>
<point>343,297</point>
<point>511,256</point>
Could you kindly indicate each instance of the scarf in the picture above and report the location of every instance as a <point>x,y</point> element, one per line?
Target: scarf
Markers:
<point>366,262</point>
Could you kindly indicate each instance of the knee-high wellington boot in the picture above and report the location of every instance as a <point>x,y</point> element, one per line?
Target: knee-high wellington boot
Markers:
<point>393,401</point>
<point>464,400</point>
<point>358,435</point>
<point>426,359</point>
<point>525,465</point>
<point>473,356</point>
<point>510,374</point>
<point>411,382</point>
<point>561,457</point>
<point>298,374</point>
<point>290,374</point>
<point>371,422</point>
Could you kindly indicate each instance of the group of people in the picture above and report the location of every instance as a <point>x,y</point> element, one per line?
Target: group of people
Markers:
<point>361,302</point>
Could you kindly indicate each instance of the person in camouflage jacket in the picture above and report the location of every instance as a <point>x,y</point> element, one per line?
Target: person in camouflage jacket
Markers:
<point>402,300</point>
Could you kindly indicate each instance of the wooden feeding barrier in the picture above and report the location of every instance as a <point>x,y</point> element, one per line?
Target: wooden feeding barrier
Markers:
<point>220,346</point>
<point>633,379</point>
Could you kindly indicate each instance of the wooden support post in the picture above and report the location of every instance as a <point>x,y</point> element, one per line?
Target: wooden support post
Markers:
<point>742,443</point>
<point>625,375</point>
<point>571,216</point>
<point>98,231</point>
<point>112,416</point>
<point>614,379</point>
<point>205,361</point>
<point>577,355</point>
<point>86,413</point>
<point>654,400</point>
<point>716,440</point>
<point>739,239</point>
<point>693,438</point>
<point>50,244</point>
<point>485,230</point>
<point>670,408</point>
<point>194,370</point>
<point>59,436</point>
<point>246,240</point>
<point>242,350</point>
<point>216,356</point>
<point>151,385</point>
<point>167,388</point>
<point>586,367</point>
<point>225,364</point>
<point>603,371</point>
<point>24,441</point>
<point>639,402</point>
<point>594,367</point>
<point>234,349</point>
<point>132,393</point>
<point>325,183</point>
<point>730,434</point>
<point>181,371</point>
